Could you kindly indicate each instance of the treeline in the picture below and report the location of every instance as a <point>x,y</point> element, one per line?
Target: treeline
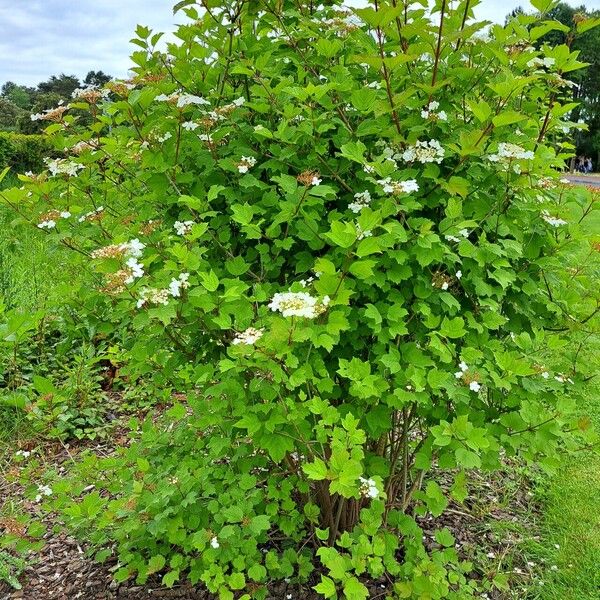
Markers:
<point>19,102</point>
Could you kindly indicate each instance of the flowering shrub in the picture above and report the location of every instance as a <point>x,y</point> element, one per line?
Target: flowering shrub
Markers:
<point>342,235</point>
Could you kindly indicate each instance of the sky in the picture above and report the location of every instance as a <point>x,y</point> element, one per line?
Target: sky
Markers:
<point>39,38</point>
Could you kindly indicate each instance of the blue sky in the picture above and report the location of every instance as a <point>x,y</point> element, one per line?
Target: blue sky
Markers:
<point>39,38</point>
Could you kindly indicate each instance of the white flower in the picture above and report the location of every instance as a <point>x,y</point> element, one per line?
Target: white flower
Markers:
<point>166,136</point>
<point>463,366</point>
<point>474,386</point>
<point>246,162</point>
<point>445,285</point>
<point>360,234</point>
<point>424,152</point>
<point>43,490</point>
<point>554,221</point>
<point>315,181</point>
<point>248,337</point>
<point>190,125</point>
<point>368,488</point>
<point>63,166</point>
<point>452,238</point>
<point>187,99</point>
<point>182,227</point>
<point>507,152</point>
<point>362,200</point>
<point>368,169</point>
<point>65,214</point>
<point>464,232</point>
<point>136,269</point>
<point>545,374</point>
<point>181,283</point>
<point>398,187</point>
<point>429,112</point>
<point>49,224</point>
<point>296,304</point>
<point>239,101</point>
<point>214,542</point>
<point>458,274</point>
<point>23,453</point>
<point>135,248</point>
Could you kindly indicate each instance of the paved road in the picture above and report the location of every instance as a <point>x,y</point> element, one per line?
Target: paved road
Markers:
<point>592,180</point>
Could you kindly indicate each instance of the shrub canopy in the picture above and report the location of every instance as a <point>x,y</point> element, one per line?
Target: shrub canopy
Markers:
<point>342,234</point>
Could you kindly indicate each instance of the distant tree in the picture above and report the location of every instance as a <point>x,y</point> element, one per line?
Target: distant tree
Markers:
<point>514,13</point>
<point>587,89</point>
<point>97,78</point>
<point>10,114</point>
<point>19,95</point>
<point>62,85</point>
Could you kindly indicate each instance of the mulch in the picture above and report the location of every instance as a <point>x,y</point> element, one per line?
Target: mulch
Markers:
<point>62,570</point>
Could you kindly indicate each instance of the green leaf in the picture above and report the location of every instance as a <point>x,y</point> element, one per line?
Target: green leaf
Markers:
<point>156,563</point>
<point>326,587</point>
<point>237,581</point>
<point>507,118</point>
<point>316,470</point>
<point>355,590</point>
<point>210,280</point>
<point>444,537</point>
<point>259,524</point>
<point>170,578</point>
<point>342,234</point>
<point>354,151</point>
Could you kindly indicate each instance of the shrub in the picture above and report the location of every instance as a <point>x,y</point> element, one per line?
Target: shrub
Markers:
<point>342,235</point>
<point>23,152</point>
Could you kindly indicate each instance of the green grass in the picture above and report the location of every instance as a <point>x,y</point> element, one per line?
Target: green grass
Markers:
<point>569,545</point>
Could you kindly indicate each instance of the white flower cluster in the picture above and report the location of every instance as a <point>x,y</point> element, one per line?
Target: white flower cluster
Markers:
<point>190,125</point>
<point>164,137</point>
<point>214,542</point>
<point>246,163</point>
<point>508,151</point>
<point>474,385</point>
<point>298,304</point>
<point>463,369</point>
<point>430,112</point>
<point>361,200</point>
<point>43,490</point>
<point>248,337</point>
<point>91,214</point>
<point>153,296</point>
<point>181,283</point>
<point>554,221</point>
<point>49,220</point>
<point>368,488</point>
<point>453,238</point>
<point>63,166</point>
<point>182,99</point>
<point>398,187</point>
<point>162,296</point>
<point>541,62</point>
<point>90,93</point>
<point>424,152</point>
<point>183,227</point>
<point>23,453</point>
